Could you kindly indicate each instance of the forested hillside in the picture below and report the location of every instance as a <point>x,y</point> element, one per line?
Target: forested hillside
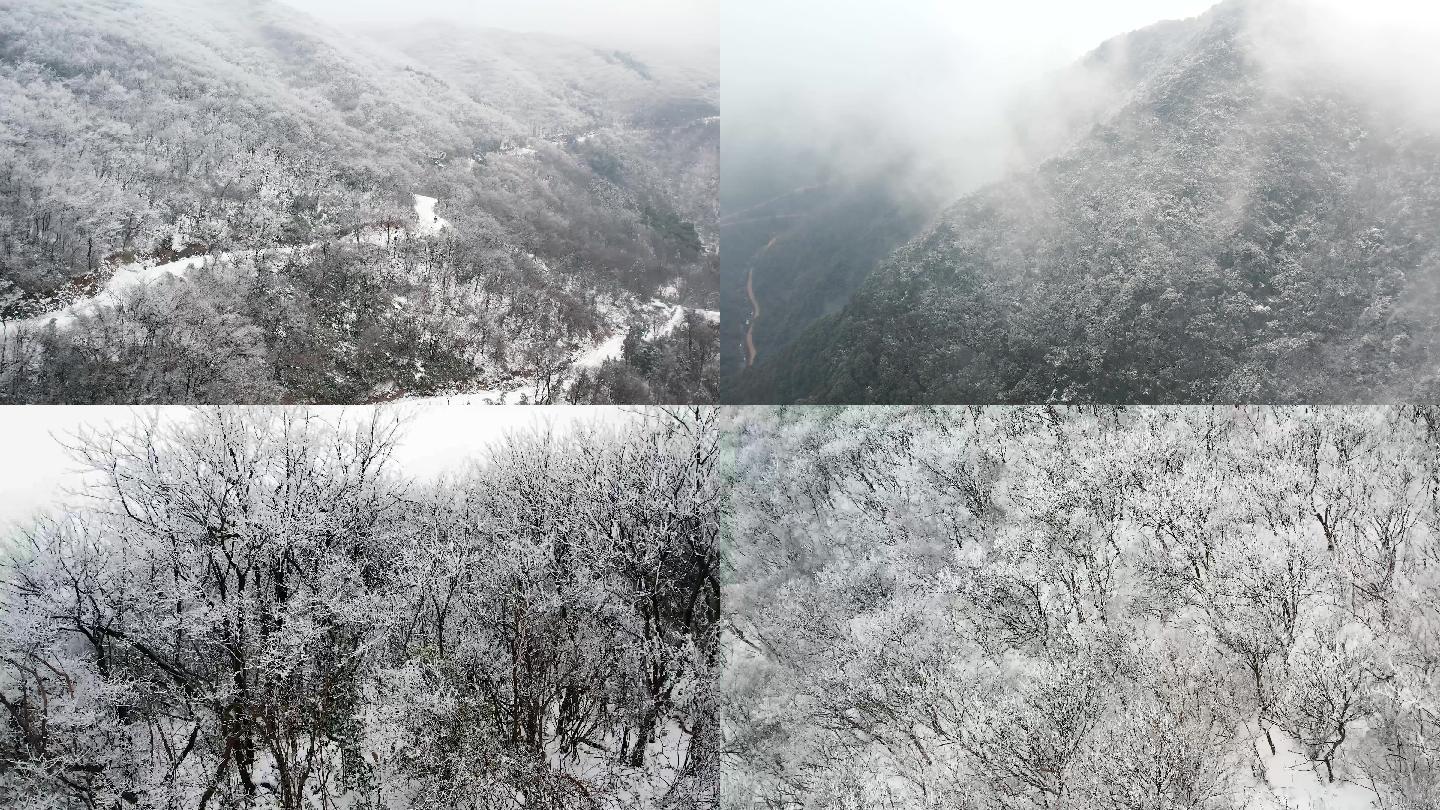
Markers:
<point>800,238</point>
<point>575,187</point>
<point>258,609</point>
<point>1211,609</point>
<point>1229,214</point>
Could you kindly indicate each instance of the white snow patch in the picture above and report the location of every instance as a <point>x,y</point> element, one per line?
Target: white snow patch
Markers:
<point>661,318</point>
<point>613,347</point>
<point>429,222</point>
<point>1293,782</point>
<point>610,349</point>
<point>677,317</point>
<point>125,279</point>
<point>492,396</point>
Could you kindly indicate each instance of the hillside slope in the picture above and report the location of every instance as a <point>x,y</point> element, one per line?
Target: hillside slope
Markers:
<point>141,133</point>
<point>1228,225</point>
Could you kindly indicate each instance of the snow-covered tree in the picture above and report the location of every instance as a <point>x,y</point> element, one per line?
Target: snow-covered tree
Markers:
<point>1073,608</point>
<point>255,608</point>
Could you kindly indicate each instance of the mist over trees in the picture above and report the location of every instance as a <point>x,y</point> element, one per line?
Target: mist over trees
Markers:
<point>256,608</point>
<point>576,184</point>
<point>801,235</point>
<point>1232,208</point>
<point>1197,608</point>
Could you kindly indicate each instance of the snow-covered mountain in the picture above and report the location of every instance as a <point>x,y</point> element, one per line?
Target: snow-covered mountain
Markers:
<point>578,184</point>
<point>1228,210</point>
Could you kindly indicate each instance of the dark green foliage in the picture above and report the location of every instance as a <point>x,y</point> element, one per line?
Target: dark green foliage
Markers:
<point>671,228</point>
<point>604,164</point>
<point>806,254</point>
<point>628,60</point>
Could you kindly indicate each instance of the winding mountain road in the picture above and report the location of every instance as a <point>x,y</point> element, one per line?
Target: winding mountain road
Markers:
<point>747,216</point>
<point>754,303</point>
<point>135,275</point>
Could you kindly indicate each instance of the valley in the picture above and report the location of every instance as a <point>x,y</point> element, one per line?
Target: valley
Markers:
<point>573,185</point>
<point>1214,209</point>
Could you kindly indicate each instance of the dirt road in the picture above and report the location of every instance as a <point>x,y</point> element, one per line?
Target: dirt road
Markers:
<point>754,304</point>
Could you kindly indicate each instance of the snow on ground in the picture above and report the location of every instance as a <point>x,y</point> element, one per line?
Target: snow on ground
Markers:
<point>429,222</point>
<point>612,347</point>
<point>661,318</point>
<point>133,276</point>
<point>677,317</point>
<point>126,278</point>
<point>1293,782</point>
<point>609,349</point>
<point>524,394</point>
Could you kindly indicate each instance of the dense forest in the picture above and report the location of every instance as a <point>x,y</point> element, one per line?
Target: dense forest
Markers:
<point>255,608</point>
<point>1090,609</point>
<point>1232,216</point>
<point>276,171</point>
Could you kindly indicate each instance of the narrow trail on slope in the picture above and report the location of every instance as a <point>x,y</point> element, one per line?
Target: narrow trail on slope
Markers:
<point>730,218</point>
<point>754,303</point>
<point>135,275</point>
<point>761,218</point>
<point>739,218</point>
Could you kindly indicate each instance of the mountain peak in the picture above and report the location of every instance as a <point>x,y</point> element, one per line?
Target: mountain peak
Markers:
<point>1220,225</point>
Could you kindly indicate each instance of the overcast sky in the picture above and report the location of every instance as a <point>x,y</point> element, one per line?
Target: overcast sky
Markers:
<point>856,46</point>
<point>678,24</point>
<point>939,81</point>
<point>932,78</point>
<point>440,438</point>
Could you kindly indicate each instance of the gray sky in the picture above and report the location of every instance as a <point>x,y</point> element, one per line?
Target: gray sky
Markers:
<point>937,78</point>
<point>861,81</point>
<point>863,43</point>
<point>681,24</point>
<point>440,438</point>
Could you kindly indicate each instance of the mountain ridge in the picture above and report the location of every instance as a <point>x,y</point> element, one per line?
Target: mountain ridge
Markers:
<point>149,132</point>
<point>1196,245</point>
